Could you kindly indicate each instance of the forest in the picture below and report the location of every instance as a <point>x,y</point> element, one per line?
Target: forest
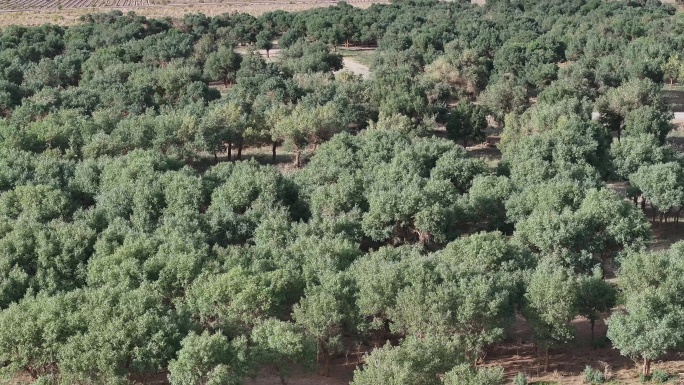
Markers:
<point>140,238</point>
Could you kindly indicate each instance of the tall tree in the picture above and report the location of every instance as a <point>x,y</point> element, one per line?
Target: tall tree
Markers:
<point>222,65</point>
<point>467,122</point>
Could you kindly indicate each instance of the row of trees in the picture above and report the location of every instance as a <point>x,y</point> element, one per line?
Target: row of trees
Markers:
<point>128,248</point>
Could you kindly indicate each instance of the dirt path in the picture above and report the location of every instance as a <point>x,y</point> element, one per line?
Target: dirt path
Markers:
<point>355,67</point>
<point>340,374</point>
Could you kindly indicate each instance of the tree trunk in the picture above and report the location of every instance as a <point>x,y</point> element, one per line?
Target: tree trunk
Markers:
<point>327,362</point>
<point>619,132</point>
<point>273,149</point>
<point>646,370</point>
<point>239,154</point>
<point>546,360</point>
<point>268,55</point>
<point>215,157</point>
<point>592,321</point>
<point>298,157</point>
<point>283,381</point>
<point>230,150</point>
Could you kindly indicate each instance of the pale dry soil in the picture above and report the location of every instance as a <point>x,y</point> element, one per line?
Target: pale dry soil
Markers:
<point>355,67</point>
<point>176,10</point>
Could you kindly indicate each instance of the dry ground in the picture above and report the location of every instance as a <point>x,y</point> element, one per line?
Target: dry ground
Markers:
<point>516,355</point>
<point>173,10</point>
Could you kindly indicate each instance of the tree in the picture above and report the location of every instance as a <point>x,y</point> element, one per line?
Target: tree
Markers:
<point>467,375</point>
<point>304,57</point>
<point>467,122</point>
<point>416,361</point>
<point>651,322</point>
<point>615,106</point>
<point>221,126</point>
<point>459,72</point>
<point>647,329</point>
<point>209,359</point>
<point>323,312</point>
<point>487,202</point>
<point>597,231</point>
<point>551,305</point>
<point>307,125</point>
<point>38,203</point>
<point>397,122</point>
<point>264,40</point>
<point>222,65</point>
<point>595,296</point>
<point>33,331</point>
<point>635,151</point>
<point>283,344</point>
<point>129,331</point>
<point>648,120</point>
<point>503,97</point>
<point>672,68</point>
<point>663,185</point>
<point>379,276</point>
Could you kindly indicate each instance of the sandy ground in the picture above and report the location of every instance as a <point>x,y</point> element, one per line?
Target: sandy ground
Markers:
<point>355,67</point>
<point>177,10</point>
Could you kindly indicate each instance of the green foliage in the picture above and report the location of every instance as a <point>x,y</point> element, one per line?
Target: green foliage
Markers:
<point>660,376</point>
<point>283,344</point>
<point>593,376</point>
<point>594,297</point>
<point>464,374</point>
<point>222,65</point>
<point>551,304</point>
<point>662,184</point>
<point>303,57</point>
<point>414,361</point>
<point>520,379</point>
<point>590,234</point>
<point>467,122</point>
<point>632,152</point>
<point>636,106</point>
<point>208,359</point>
<point>134,239</point>
<point>504,97</point>
<point>650,324</point>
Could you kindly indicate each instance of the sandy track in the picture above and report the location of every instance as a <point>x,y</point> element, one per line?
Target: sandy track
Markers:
<point>355,67</point>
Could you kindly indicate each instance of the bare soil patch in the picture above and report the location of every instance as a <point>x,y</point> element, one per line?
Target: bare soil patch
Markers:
<point>20,15</point>
<point>567,364</point>
<point>354,67</point>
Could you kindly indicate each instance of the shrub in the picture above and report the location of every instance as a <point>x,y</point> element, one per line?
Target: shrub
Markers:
<point>593,376</point>
<point>520,379</point>
<point>601,342</point>
<point>660,376</point>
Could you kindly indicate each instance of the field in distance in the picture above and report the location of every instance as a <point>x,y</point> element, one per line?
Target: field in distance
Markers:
<point>65,12</point>
<point>27,5</point>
